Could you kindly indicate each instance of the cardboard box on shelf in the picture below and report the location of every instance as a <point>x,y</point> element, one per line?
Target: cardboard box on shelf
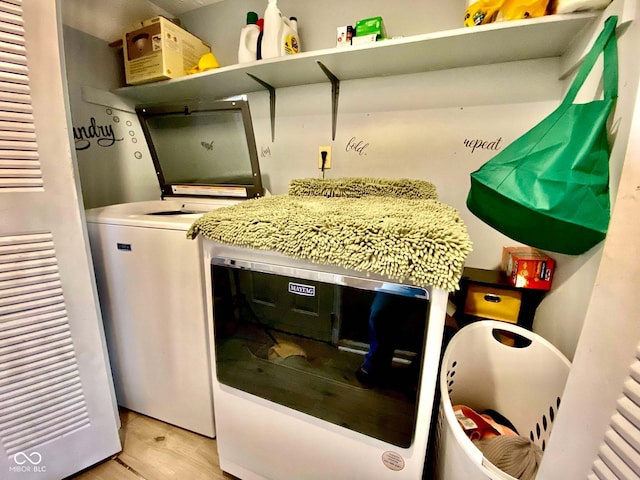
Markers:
<point>159,49</point>
<point>527,267</point>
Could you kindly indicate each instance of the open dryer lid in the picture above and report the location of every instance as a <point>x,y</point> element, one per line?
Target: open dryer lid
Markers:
<point>203,149</point>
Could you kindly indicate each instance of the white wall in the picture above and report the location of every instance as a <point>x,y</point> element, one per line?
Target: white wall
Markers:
<point>115,166</point>
<point>415,126</point>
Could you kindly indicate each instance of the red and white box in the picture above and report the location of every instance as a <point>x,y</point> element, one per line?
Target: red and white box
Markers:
<point>527,267</point>
<point>344,35</point>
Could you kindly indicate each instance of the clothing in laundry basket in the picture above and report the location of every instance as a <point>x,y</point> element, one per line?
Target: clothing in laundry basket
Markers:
<point>480,426</point>
<point>517,456</point>
<point>500,444</point>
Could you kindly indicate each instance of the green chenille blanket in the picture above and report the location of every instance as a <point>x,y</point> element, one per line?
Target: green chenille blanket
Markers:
<point>362,187</point>
<point>395,228</point>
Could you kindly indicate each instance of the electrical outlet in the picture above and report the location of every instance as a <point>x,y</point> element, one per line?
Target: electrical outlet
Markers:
<point>327,162</point>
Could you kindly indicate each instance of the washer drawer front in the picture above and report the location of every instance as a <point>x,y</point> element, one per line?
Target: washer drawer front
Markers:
<point>494,303</point>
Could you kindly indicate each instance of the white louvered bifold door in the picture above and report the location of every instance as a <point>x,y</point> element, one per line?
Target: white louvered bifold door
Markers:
<point>619,454</point>
<point>57,408</point>
<point>19,162</point>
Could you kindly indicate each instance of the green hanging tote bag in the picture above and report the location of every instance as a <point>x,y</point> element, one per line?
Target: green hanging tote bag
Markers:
<point>550,188</point>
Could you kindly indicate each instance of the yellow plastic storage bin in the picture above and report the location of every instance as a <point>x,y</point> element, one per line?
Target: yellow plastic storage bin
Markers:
<point>494,303</point>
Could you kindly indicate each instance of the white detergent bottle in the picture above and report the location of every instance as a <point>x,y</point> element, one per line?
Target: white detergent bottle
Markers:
<point>280,35</point>
<point>290,37</point>
<point>249,39</point>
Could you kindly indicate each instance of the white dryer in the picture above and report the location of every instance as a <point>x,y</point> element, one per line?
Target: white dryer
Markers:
<point>288,338</point>
<point>150,276</point>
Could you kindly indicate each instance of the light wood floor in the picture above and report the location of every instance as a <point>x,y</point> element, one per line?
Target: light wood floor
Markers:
<point>153,450</point>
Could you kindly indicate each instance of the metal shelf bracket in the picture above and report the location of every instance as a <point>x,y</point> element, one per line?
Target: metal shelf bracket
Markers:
<point>272,104</point>
<point>335,94</point>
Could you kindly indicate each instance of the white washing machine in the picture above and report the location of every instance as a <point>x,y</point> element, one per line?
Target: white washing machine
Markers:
<point>150,276</point>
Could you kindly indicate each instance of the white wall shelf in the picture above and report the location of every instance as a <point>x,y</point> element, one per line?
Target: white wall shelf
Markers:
<point>543,37</point>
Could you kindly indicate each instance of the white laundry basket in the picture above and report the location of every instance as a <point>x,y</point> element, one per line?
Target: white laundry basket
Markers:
<point>524,384</point>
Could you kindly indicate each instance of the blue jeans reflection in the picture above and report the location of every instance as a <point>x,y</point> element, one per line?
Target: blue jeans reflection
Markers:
<point>390,311</point>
